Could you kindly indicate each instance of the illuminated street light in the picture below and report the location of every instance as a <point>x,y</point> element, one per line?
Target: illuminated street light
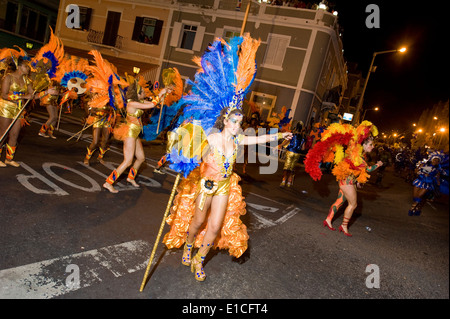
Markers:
<point>364,114</point>
<point>358,107</point>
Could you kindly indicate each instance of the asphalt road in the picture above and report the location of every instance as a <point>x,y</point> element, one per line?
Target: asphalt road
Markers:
<point>64,237</point>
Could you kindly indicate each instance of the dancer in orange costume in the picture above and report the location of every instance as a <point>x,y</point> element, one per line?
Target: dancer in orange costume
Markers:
<point>207,209</point>
<point>351,170</point>
<point>50,102</point>
<point>49,58</point>
<point>129,133</point>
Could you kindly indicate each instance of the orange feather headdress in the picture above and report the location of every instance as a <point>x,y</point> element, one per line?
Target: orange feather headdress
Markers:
<point>105,84</point>
<point>341,144</point>
<point>49,57</point>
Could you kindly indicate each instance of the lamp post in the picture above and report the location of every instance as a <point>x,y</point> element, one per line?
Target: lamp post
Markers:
<point>360,101</point>
<point>364,114</point>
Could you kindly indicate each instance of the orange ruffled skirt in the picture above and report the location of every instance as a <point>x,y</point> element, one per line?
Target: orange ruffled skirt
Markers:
<point>233,235</point>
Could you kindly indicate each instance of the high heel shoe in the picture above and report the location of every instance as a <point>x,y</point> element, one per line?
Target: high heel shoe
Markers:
<point>341,229</point>
<point>325,224</point>
<point>197,267</point>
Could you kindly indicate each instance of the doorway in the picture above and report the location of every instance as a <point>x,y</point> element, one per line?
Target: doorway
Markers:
<point>111,28</point>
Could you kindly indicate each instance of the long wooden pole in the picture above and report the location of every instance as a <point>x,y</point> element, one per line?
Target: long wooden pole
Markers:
<point>14,121</point>
<point>160,113</point>
<point>245,17</point>
<point>85,128</point>
<point>169,204</point>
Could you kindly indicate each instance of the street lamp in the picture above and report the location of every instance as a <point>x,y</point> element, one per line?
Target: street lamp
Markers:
<point>364,114</point>
<point>358,107</point>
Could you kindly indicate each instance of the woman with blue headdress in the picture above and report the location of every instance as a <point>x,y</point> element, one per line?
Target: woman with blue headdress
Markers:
<point>207,209</point>
<point>428,180</point>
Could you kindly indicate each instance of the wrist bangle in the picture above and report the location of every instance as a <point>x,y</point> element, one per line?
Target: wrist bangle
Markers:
<point>155,100</point>
<point>279,135</point>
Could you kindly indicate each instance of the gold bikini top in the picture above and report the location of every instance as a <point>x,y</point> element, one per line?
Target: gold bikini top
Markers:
<point>223,162</point>
<point>17,87</point>
<point>138,113</point>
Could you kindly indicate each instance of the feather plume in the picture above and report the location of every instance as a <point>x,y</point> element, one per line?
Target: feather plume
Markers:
<point>49,56</point>
<point>222,79</point>
<point>105,82</point>
<point>343,142</point>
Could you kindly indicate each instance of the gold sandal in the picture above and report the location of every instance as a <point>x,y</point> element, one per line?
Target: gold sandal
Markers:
<point>187,253</point>
<point>197,267</point>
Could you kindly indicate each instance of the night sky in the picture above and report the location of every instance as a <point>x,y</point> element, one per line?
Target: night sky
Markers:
<point>404,85</point>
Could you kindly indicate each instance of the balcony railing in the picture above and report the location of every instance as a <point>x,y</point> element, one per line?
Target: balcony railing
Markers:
<point>95,36</point>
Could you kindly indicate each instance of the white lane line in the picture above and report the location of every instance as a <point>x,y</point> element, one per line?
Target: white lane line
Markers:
<point>58,276</point>
<point>88,138</point>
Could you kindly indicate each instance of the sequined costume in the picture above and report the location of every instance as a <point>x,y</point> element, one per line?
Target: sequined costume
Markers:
<point>226,71</point>
<point>10,108</point>
<point>132,126</point>
<point>214,177</point>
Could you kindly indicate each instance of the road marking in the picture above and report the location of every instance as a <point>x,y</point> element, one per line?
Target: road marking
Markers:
<point>263,208</point>
<point>49,278</point>
<point>264,222</point>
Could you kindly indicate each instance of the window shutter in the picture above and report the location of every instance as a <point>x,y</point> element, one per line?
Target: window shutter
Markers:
<point>276,50</point>
<point>219,33</point>
<point>87,22</point>
<point>197,46</point>
<point>137,28</point>
<point>175,34</point>
<point>157,33</point>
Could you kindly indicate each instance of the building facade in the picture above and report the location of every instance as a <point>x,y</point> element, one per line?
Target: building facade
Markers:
<point>300,59</point>
<point>26,23</point>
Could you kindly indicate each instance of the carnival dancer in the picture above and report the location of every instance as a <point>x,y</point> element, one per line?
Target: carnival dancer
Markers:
<point>72,75</point>
<point>100,118</point>
<point>293,153</point>
<point>16,89</point>
<point>216,101</point>
<point>166,113</point>
<point>129,133</point>
<point>351,170</point>
<point>48,59</point>
<point>105,88</point>
<point>428,180</point>
<point>50,102</point>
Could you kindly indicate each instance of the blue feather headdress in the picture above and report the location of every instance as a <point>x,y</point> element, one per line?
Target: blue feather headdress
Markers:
<point>226,72</point>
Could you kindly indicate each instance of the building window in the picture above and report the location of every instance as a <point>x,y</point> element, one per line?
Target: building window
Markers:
<point>228,34</point>
<point>28,22</point>
<point>147,30</point>
<point>265,104</point>
<point>10,16</point>
<point>276,50</point>
<point>188,36</point>
<point>85,18</point>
